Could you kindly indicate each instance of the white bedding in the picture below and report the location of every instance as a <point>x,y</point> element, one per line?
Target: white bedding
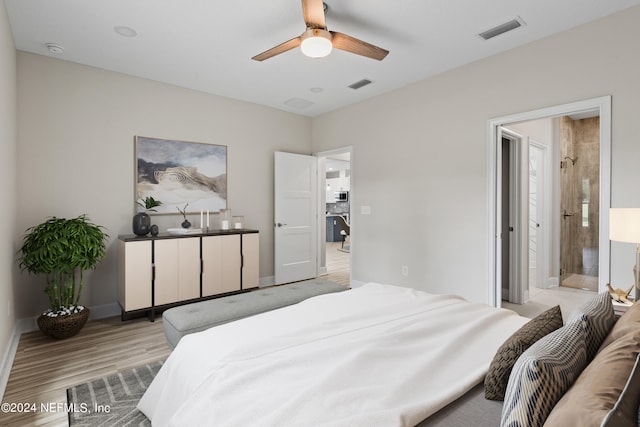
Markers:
<point>377,355</point>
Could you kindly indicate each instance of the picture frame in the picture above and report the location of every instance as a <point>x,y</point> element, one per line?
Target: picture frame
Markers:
<point>181,174</point>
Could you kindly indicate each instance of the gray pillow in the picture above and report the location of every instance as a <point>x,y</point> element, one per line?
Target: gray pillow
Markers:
<point>543,374</point>
<point>598,320</point>
<point>495,383</point>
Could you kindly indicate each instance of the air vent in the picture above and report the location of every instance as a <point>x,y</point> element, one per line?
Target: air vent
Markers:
<point>332,174</point>
<point>361,83</point>
<point>502,28</point>
<point>298,103</point>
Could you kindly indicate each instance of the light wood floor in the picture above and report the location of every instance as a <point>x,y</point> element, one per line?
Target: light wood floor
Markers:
<point>44,368</point>
<point>337,261</point>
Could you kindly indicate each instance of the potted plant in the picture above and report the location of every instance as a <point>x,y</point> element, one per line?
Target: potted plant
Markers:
<point>142,220</point>
<point>62,249</point>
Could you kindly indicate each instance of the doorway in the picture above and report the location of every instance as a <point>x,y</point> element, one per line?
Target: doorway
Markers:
<point>498,241</point>
<point>336,201</point>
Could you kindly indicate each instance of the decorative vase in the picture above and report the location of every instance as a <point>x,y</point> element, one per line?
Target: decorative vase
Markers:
<point>141,224</point>
<point>63,326</point>
<point>186,224</point>
<point>154,230</point>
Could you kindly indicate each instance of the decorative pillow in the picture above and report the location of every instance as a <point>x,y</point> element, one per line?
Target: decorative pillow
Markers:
<point>495,383</point>
<point>543,374</point>
<point>607,393</point>
<point>628,322</point>
<point>598,312</point>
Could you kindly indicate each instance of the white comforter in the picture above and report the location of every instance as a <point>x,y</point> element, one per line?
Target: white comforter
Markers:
<point>377,355</point>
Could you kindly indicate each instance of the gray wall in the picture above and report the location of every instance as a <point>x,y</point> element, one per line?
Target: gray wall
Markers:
<point>420,153</point>
<point>76,127</point>
<point>8,143</point>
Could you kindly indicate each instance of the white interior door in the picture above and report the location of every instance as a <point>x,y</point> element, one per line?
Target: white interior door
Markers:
<point>295,234</point>
<point>538,225</point>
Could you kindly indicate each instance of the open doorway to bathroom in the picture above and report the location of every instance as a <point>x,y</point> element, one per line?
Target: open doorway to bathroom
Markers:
<point>336,199</point>
<point>558,233</point>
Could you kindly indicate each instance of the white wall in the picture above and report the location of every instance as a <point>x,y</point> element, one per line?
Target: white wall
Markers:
<point>432,136</point>
<point>76,127</point>
<point>8,142</point>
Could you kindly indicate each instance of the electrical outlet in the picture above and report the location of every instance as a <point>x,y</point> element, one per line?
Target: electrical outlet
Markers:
<point>405,270</point>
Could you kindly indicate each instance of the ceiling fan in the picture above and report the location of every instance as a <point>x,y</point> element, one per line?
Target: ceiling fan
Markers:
<point>317,41</point>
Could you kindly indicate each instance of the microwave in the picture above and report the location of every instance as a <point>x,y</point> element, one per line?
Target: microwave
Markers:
<point>341,196</point>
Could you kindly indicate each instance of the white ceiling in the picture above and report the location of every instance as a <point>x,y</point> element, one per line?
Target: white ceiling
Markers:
<point>207,45</point>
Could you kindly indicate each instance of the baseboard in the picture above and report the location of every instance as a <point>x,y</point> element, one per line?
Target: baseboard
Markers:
<point>267,281</point>
<point>105,310</point>
<point>21,326</point>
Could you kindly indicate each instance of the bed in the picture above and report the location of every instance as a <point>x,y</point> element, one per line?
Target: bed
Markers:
<point>377,355</point>
<point>381,355</point>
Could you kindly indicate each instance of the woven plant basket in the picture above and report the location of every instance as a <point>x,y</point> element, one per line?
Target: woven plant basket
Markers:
<point>63,326</point>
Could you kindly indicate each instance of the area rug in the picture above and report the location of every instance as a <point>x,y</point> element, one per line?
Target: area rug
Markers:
<point>111,400</point>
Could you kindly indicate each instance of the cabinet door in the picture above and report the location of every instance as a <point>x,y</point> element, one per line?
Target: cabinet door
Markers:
<point>166,271</point>
<point>134,287</point>
<point>231,263</point>
<point>211,265</point>
<point>221,264</point>
<point>188,268</point>
<point>250,260</point>
<point>177,265</point>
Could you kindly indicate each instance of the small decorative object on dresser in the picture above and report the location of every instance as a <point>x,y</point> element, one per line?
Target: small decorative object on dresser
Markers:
<point>225,219</point>
<point>183,211</point>
<point>142,220</point>
<point>618,294</point>
<point>62,249</point>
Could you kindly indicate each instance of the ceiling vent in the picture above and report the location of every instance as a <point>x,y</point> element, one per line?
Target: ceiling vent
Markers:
<point>298,103</point>
<point>502,28</point>
<point>361,83</point>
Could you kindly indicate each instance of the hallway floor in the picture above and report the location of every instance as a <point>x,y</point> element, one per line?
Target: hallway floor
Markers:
<point>569,299</point>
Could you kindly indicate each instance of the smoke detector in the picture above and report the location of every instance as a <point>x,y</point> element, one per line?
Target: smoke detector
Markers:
<point>54,48</point>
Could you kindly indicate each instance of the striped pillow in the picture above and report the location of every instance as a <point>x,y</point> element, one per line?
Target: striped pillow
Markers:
<point>543,374</point>
<point>495,382</point>
<point>598,318</point>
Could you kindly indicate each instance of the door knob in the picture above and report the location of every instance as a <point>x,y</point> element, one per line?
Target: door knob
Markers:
<point>280,224</point>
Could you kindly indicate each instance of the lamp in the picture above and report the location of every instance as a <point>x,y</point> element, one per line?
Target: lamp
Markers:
<point>624,226</point>
<point>316,43</point>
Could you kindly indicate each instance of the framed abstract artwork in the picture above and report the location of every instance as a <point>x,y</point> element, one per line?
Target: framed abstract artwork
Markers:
<point>181,173</point>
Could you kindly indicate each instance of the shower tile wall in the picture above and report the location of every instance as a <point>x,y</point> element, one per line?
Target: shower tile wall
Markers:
<point>579,196</point>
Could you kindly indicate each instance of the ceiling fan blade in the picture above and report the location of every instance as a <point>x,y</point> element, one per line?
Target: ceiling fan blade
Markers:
<point>353,45</point>
<point>313,13</point>
<point>281,48</point>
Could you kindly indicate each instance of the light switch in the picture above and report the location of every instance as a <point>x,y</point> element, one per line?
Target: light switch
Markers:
<point>365,210</point>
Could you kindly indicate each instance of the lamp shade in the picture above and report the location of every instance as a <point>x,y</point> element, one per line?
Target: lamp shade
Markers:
<point>624,225</point>
<point>316,43</point>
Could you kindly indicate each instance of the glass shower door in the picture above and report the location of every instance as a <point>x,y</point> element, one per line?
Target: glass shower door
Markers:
<point>579,202</point>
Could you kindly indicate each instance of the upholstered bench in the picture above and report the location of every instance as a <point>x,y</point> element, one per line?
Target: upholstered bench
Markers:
<point>186,319</point>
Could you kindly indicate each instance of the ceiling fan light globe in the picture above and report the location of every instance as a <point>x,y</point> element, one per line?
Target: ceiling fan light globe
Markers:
<point>316,43</point>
